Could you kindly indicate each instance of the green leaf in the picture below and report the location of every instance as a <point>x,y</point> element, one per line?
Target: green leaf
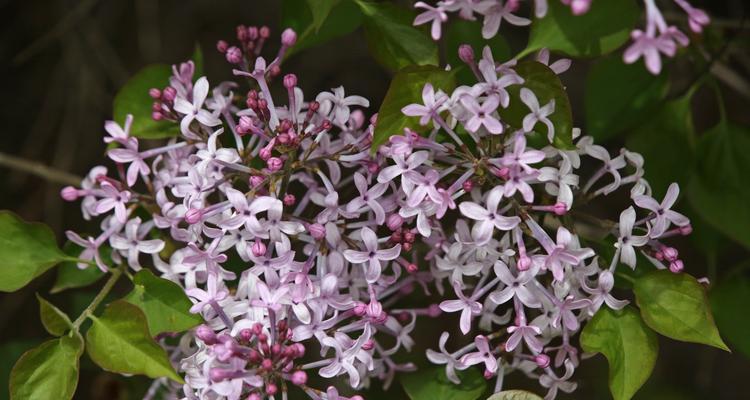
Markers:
<point>431,383</point>
<point>119,341</point>
<point>320,10</point>
<point>628,344</point>
<point>719,190</point>
<point>133,99</point>
<point>392,39</point>
<point>343,18</point>
<point>406,88</point>
<point>546,86</point>
<point>69,276</point>
<point>49,371</point>
<point>470,32</point>
<point>27,250</point>
<point>665,143</point>
<point>676,306</point>
<point>605,27</point>
<point>729,300</point>
<point>618,96</point>
<point>514,395</point>
<point>163,302</point>
<point>54,320</point>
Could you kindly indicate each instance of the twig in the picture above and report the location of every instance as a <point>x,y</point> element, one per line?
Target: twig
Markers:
<point>39,169</point>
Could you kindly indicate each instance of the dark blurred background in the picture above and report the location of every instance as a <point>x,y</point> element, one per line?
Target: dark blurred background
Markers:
<point>62,61</point>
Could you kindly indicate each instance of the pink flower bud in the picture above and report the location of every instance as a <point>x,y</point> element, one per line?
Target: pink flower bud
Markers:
<point>222,46</point>
<point>169,93</point>
<point>271,389</point>
<point>264,32</point>
<point>69,193</point>
<point>373,167</point>
<point>466,54</point>
<point>409,236</point>
<point>266,364</point>
<point>218,374</point>
<point>542,360</point>
<point>157,116</point>
<point>252,32</point>
<point>468,185</point>
<point>560,208</point>
<point>394,222</point>
<point>246,334</point>
<point>368,345</point>
<point>206,334</point>
<point>283,138</point>
<point>254,396</point>
<point>258,248</point>
<point>154,93</point>
<point>288,37</point>
<point>407,246</point>
<point>274,164</point>
<point>289,200</point>
<point>524,263</point>
<point>246,123</point>
<point>360,309</point>
<point>290,81</point>
<point>234,55</point>
<point>412,268</point>
<point>241,33</point>
<point>256,180</point>
<point>686,230</point>
<point>580,7</point>
<point>357,118</point>
<point>670,253</point>
<point>193,216</point>
<point>299,378</point>
<point>434,310</point>
<point>317,231</point>
<point>676,266</point>
<point>488,374</point>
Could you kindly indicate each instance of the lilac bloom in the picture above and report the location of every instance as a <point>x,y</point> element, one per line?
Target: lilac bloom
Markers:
<point>433,102</point>
<point>494,86</point>
<point>211,155</point>
<point>120,134</point>
<point>214,293</point>
<point>537,114</point>
<point>482,115</point>
<point>564,313</point>
<point>133,156</point>
<point>340,104</point>
<point>495,12</point>
<point>458,264</point>
<point>444,357</point>
<point>245,212</point>
<point>468,306</point>
<point>601,293</point>
<point>482,355</point>
<point>611,166</point>
<point>368,197</point>
<point>348,352</point>
<point>90,250</point>
<point>488,218</point>
<point>435,14</point>
<point>194,110</point>
<point>558,67</point>
<point>560,181</point>
<point>113,199</point>
<point>132,243</point>
<point>697,18</point>
<point>518,182</point>
<point>626,241</point>
<point>662,213</point>
<point>372,255</point>
<point>270,298</point>
<point>520,157</point>
<point>554,384</point>
<point>515,286</point>
<point>424,185</point>
<point>527,333</point>
<point>559,253</point>
<point>648,45</point>
<point>403,165</point>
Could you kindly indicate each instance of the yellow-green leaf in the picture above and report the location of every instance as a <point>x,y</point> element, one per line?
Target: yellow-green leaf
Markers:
<point>54,320</point>
<point>49,371</point>
<point>164,303</point>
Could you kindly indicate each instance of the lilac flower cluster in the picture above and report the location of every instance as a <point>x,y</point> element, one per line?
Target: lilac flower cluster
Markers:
<point>658,38</point>
<point>296,243</point>
<point>515,260</point>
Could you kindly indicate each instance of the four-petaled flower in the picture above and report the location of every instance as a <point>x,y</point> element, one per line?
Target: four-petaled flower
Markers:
<point>372,256</point>
<point>488,218</point>
<point>194,110</point>
<point>662,213</point>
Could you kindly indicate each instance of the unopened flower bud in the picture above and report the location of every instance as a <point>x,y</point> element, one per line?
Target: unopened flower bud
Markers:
<point>271,389</point>
<point>524,263</point>
<point>289,200</point>
<point>670,253</point>
<point>168,94</point>
<point>288,37</point>
<point>246,334</point>
<point>686,230</point>
<point>258,248</point>
<point>373,167</point>
<point>394,222</point>
<point>69,193</point>
<point>360,309</point>
<point>488,374</point>
<point>317,231</point>
<point>252,32</point>
<point>274,164</point>
<point>290,81</point>
<point>219,374</point>
<point>154,93</point>
<point>412,268</point>
<point>299,378</point>
<point>256,180</point>
<point>434,310</point>
<point>222,46</point>
<point>357,118</point>
<point>368,345</point>
<point>206,334</point>
<point>466,54</point>
<point>157,116</point>
<point>676,266</point>
<point>560,208</point>
<point>234,55</point>
<point>468,185</point>
<point>407,246</point>
<point>542,360</point>
<point>580,7</point>
<point>264,32</point>
<point>254,396</point>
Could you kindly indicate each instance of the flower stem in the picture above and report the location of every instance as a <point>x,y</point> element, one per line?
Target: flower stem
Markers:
<point>116,273</point>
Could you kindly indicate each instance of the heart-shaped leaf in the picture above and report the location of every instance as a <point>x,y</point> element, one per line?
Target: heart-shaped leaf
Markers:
<point>49,371</point>
<point>164,303</point>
